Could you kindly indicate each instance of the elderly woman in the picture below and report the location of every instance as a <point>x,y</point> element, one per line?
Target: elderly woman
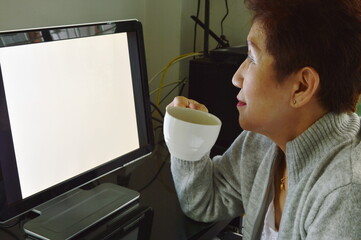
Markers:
<point>295,172</point>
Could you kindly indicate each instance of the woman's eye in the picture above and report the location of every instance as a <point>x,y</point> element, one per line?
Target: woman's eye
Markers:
<point>250,58</point>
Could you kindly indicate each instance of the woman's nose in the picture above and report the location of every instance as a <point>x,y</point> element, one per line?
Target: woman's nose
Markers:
<point>237,79</point>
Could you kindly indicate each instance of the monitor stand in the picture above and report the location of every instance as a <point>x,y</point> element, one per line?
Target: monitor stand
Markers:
<point>67,216</point>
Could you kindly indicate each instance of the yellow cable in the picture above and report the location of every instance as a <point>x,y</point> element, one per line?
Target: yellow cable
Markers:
<point>175,60</point>
<point>166,85</point>
<point>161,85</point>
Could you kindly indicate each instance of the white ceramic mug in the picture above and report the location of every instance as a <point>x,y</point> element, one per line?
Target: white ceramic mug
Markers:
<point>189,133</point>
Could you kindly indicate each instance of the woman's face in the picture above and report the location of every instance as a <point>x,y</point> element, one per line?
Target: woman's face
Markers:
<point>263,103</point>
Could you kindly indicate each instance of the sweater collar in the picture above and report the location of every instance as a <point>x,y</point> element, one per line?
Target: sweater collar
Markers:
<point>317,141</point>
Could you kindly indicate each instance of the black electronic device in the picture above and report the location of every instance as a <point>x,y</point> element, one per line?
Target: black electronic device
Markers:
<point>233,55</point>
<point>74,106</point>
<point>133,223</point>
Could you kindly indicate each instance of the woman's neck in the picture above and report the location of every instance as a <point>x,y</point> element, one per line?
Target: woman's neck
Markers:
<point>300,121</point>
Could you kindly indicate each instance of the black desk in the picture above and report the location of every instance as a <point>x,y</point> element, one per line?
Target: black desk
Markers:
<point>169,223</point>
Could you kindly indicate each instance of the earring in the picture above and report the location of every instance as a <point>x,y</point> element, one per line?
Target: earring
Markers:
<point>294,101</point>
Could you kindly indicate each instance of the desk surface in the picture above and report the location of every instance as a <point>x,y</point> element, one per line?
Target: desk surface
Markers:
<point>168,222</point>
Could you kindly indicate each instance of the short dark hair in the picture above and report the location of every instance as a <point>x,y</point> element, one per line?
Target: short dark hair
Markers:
<point>323,34</point>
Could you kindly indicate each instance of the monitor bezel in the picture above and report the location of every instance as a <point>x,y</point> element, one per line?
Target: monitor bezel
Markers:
<point>143,113</point>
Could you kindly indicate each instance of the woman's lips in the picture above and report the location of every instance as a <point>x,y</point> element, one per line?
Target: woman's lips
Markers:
<point>241,104</point>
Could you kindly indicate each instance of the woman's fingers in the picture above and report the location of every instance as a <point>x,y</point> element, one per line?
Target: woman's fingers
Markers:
<point>181,101</point>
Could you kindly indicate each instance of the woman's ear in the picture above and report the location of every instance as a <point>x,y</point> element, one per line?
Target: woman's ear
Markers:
<point>307,81</point>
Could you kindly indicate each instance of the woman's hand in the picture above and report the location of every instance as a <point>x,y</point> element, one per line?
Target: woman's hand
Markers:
<point>181,101</point>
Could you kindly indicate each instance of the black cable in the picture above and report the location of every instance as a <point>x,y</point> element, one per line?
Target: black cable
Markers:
<point>223,37</point>
<point>157,120</point>
<point>154,177</point>
<point>225,16</point>
<point>182,87</point>
<point>182,82</point>
<point>156,108</point>
<point>195,27</point>
<point>158,127</point>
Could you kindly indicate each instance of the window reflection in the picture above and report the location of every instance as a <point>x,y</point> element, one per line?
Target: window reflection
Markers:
<point>13,39</point>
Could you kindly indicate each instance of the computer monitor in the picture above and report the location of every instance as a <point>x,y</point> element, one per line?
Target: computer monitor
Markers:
<point>74,106</point>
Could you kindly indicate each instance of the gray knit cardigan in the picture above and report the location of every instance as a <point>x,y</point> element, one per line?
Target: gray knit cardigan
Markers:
<point>324,191</point>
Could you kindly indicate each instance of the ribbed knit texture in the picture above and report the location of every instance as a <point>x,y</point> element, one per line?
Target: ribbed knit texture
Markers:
<point>324,172</point>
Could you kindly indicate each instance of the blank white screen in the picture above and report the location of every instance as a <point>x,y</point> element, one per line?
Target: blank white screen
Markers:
<point>71,107</point>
